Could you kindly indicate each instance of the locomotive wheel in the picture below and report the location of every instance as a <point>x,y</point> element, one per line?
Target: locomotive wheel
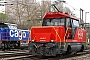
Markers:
<point>57,55</point>
<point>82,48</point>
<point>3,46</point>
<point>69,50</point>
<point>22,48</point>
<point>40,56</point>
<point>3,49</point>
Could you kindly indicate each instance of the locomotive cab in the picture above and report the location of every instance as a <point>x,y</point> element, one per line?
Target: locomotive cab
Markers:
<point>59,34</point>
<point>69,24</point>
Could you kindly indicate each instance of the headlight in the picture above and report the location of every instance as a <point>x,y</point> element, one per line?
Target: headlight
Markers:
<point>33,40</point>
<point>52,40</point>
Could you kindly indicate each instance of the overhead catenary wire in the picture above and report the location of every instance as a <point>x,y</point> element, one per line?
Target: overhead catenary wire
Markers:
<point>88,1</point>
<point>57,2</point>
<point>74,8</point>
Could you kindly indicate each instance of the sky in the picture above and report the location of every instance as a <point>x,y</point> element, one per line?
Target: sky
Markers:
<point>84,4</point>
<point>2,8</point>
<point>75,6</point>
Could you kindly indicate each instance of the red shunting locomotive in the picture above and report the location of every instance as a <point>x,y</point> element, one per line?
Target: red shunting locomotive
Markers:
<point>60,33</point>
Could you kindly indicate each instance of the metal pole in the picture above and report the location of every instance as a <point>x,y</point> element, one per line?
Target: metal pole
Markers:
<point>80,14</point>
<point>85,18</point>
<point>81,18</point>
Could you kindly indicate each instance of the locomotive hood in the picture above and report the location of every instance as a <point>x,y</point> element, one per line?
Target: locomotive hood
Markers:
<point>45,33</point>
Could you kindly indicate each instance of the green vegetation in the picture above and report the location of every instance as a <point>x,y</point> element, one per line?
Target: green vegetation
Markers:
<point>3,17</point>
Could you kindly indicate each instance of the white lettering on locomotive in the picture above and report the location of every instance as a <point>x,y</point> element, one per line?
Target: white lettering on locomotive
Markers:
<point>16,33</point>
<point>42,39</point>
<point>12,35</point>
<point>20,35</point>
<point>24,34</point>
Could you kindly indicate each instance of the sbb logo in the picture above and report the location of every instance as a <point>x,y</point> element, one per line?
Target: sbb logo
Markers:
<point>16,33</point>
<point>80,34</point>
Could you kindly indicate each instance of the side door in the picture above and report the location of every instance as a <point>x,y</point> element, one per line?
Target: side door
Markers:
<point>68,28</point>
<point>75,25</point>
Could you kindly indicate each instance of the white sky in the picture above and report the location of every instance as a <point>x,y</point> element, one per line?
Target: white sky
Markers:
<point>77,4</point>
<point>2,8</point>
<point>84,4</point>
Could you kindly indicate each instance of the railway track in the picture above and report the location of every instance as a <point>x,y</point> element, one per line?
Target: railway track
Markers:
<point>7,55</point>
<point>24,55</point>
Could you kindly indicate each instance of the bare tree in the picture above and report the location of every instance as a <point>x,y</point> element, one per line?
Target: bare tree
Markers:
<point>26,13</point>
<point>21,11</point>
<point>45,7</point>
<point>67,10</point>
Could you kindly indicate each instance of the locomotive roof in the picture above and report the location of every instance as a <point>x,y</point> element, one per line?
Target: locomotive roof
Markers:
<point>1,23</point>
<point>58,15</point>
<point>8,24</point>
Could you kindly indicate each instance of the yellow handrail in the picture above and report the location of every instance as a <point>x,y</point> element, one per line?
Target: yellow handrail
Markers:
<point>65,36</point>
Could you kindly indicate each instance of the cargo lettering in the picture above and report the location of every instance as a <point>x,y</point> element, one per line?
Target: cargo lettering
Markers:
<point>16,33</point>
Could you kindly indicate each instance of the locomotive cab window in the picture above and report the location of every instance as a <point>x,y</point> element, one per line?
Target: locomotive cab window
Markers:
<point>75,23</point>
<point>3,26</point>
<point>54,22</point>
<point>68,22</point>
<point>12,27</point>
<point>68,28</point>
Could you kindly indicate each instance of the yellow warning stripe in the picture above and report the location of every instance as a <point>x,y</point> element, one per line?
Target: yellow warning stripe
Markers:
<point>65,36</point>
<point>58,36</point>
